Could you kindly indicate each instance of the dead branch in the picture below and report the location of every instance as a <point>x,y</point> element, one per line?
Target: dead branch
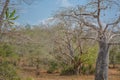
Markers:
<point>98,14</point>
<point>113,43</point>
<point>114,23</point>
<point>114,35</point>
<point>86,14</point>
<point>90,25</point>
<point>90,38</point>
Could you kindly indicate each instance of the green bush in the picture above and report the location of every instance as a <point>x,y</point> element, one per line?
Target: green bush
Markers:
<point>29,78</point>
<point>68,70</point>
<point>91,69</point>
<point>87,69</point>
<point>6,50</point>
<point>52,67</point>
<point>73,70</point>
<point>8,72</point>
<point>7,57</point>
<point>84,69</point>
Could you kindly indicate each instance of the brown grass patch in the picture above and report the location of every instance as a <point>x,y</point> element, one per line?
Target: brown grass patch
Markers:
<point>114,74</point>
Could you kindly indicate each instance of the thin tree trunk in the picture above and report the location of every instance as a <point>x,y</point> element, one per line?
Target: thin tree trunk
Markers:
<point>102,60</point>
<point>113,61</point>
<point>3,13</point>
<point>2,16</point>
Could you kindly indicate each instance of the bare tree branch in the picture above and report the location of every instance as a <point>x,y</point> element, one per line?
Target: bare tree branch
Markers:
<point>86,14</point>
<point>114,23</point>
<point>90,38</point>
<point>88,24</point>
<point>98,15</point>
<point>113,37</point>
<point>113,43</point>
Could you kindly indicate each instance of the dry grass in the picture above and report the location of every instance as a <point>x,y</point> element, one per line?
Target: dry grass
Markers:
<point>114,74</point>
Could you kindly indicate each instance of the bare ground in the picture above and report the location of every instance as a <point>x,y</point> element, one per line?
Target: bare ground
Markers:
<point>114,74</point>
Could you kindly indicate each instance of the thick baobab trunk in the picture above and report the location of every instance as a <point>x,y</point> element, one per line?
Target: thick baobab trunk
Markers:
<point>102,60</point>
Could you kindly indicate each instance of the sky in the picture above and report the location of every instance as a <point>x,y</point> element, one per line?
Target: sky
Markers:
<point>36,11</point>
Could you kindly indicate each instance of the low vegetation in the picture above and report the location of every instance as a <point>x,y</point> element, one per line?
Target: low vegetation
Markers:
<point>66,47</point>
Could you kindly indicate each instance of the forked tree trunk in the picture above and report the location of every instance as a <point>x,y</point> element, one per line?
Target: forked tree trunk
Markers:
<point>102,60</point>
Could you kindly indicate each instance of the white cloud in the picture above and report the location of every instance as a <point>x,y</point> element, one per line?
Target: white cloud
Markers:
<point>64,3</point>
<point>48,20</point>
<point>16,23</point>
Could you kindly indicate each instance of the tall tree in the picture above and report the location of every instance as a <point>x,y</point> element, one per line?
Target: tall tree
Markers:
<point>95,17</point>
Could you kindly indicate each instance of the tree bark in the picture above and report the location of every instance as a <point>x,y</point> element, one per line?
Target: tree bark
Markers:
<point>3,13</point>
<point>102,60</point>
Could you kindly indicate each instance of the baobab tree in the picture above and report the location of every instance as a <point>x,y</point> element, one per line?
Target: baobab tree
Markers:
<point>98,17</point>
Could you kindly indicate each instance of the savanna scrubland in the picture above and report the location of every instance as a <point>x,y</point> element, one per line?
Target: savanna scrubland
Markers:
<point>73,45</point>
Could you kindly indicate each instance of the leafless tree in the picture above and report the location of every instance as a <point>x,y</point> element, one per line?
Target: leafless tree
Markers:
<point>69,47</point>
<point>95,16</point>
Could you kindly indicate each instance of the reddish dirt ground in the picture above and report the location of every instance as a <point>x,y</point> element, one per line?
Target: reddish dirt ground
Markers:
<point>114,74</point>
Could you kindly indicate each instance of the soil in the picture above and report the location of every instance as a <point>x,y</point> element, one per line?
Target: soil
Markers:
<point>114,74</point>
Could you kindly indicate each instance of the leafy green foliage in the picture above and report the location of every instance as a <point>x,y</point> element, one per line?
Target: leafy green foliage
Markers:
<point>114,56</point>
<point>7,57</point>
<point>29,78</point>
<point>10,17</point>
<point>90,56</point>
<point>52,67</point>
<point>87,69</point>
<point>6,50</point>
<point>8,72</point>
<point>68,70</point>
<point>85,62</point>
